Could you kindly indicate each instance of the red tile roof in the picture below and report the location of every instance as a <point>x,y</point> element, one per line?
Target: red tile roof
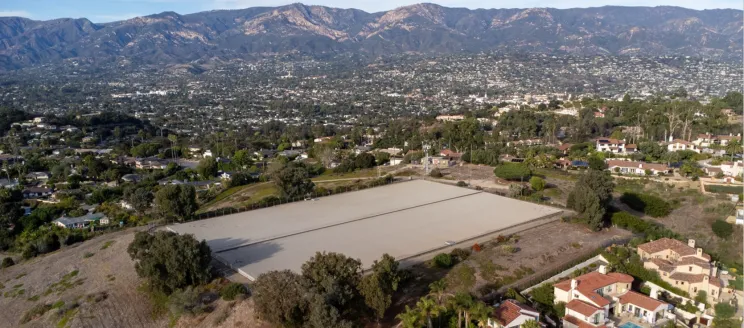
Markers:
<point>580,323</point>
<point>595,280</point>
<point>510,310</point>
<point>582,307</point>
<point>667,243</point>
<point>640,300</point>
<point>663,265</point>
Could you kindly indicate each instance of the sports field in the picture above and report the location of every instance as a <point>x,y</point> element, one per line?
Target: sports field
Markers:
<point>405,220</point>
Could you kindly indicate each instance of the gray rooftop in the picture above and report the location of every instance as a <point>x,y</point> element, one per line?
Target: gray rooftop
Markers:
<point>402,220</point>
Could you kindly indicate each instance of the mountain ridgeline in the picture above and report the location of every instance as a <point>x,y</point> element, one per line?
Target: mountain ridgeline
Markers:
<point>322,32</point>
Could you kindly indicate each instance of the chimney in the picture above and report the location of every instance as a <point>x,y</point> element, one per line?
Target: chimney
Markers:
<point>574,284</point>
<point>602,269</point>
<point>714,271</point>
<point>699,252</point>
<point>691,243</point>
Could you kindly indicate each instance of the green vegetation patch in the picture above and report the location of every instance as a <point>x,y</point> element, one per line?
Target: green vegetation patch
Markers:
<point>649,204</point>
<point>723,189</point>
<point>107,244</point>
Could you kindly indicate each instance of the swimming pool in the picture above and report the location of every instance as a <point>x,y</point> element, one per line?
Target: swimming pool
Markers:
<point>630,325</point>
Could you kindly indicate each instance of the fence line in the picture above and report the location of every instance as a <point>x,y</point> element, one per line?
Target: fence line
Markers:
<point>549,272</point>
<point>319,192</point>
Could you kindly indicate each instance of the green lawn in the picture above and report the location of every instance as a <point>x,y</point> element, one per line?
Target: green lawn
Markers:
<point>255,191</point>
<point>723,189</point>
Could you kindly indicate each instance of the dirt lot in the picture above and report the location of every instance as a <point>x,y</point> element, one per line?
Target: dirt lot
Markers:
<point>537,251</point>
<point>103,283</point>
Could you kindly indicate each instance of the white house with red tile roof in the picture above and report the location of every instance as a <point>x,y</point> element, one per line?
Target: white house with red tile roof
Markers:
<point>593,297</point>
<point>615,146</point>
<point>637,168</point>
<point>679,145</point>
<point>512,314</point>
<point>682,265</point>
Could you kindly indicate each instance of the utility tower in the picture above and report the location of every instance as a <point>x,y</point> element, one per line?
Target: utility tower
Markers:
<point>426,148</point>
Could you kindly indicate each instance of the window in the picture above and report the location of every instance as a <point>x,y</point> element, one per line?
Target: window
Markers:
<point>690,268</point>
<point>694,289</point>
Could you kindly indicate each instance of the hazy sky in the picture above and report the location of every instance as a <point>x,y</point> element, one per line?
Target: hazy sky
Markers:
<point>100,11</point>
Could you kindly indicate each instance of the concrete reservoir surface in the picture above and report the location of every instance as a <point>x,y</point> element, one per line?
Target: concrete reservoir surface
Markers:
<point>404,219</point>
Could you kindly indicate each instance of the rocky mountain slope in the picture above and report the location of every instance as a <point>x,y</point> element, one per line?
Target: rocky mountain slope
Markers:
<point>423,28</point>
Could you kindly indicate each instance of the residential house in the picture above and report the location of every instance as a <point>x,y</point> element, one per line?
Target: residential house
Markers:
<point>525,142</point>
<point>614,146</point>
<point>361,150</point>
<point>706,139</point>
<point>512,314</point>
<point>131,178</point>
<point>682,265</point>
<point>82,221</point>
<point>679,144</point>
<point>450,154</point>
<point>151,163</point>
<point>450,118</point>
<point>207,153</point>
<point>591,299</point>
<point>732,169</point>
<point>637,168</point>
<point>8,183</point>
<point>392,151</point>
<point>36,192</point>
<point>565,148</point>
<point>264,154</point>
<point>289,153</point>
<point>227,175</point>
<point>712,171</point>
<point>38,176</point>
<point>395,161</point>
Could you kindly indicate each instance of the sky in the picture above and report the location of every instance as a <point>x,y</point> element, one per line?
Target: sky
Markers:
<point>101,11</point>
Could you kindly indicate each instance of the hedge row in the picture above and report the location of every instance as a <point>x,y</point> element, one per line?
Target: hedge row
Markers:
<point>635,224</point>
<point>651,205</point>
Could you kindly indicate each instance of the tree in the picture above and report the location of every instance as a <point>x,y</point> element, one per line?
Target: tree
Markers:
<point>596,163</point>
<point>461,303</point>
<point>583,200</point>
<point>378,287</point>
<point>170,261</point>
<point>435,173</point>
<point>722,229</point>
<point>537,183</point>
<point>724,317</point>
<point>530,324</point>
<point>411,318</point>
<point>10,214</point>
<point>364,161</point>
<point>140,199</point>
<point>207,168</point>
<point>701,297</point>
<point>279,297</point>
<point>176,202</point>
<point>293,181</point>
<point>335,277</point>
<point>428,308</point>
<point>512,171</point>
<point>242,159</point>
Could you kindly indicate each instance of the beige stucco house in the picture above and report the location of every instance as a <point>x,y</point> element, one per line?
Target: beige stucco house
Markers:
<point>682,265</point>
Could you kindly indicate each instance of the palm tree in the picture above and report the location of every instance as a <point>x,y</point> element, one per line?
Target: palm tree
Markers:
<point>460,303</point>
<point>410,319</point>
<point>530,324</point>
<point>438,289</point>
<point>480,312</point>
<point>428,308</point>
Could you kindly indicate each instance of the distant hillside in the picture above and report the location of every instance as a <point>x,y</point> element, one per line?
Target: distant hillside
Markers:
<point>423,28</point>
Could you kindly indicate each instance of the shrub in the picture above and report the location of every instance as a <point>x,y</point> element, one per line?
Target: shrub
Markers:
<point>460,254</point>
<point>476,248</point>
<point>435,173</point>
<point>233,290</point>
<point>722,229</point>
<point>7,262</point>
<point>462,184</point>
<point>537,183</point>
<point>512,171</point>
<point>651,205</point>
<point>443,260</point>
<point>37,311</point>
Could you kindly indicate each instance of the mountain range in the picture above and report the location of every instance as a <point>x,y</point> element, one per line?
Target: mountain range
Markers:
<point>324,32</point>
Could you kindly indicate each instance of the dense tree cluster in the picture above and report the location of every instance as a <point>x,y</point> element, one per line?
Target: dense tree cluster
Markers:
<point>330,292</point>
<point>170,261</point>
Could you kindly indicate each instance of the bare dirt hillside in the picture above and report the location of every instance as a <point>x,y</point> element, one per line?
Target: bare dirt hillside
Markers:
<point>94,284</point>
